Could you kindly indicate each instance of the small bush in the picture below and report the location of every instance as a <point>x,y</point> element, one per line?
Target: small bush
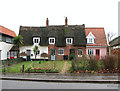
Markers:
<point>79,63</point>
<point>72,56</point>
<point>93,64</point>
<point>38,70</point>
<point>110,62</point>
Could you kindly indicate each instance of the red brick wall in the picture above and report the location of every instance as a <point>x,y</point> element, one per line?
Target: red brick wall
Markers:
<point>66,51</point>
<point>116,52</point>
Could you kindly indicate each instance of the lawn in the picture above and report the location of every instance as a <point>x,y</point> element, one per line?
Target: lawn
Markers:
<point>16,68</point>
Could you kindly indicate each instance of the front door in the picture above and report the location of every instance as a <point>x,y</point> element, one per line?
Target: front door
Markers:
<point>72,53</point>
<point>28,55</point>
<point>97,54</point>
<point>11,54</point>
<point>52,54</point>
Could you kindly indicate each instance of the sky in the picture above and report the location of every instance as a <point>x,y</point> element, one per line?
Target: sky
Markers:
<point>92,13</point>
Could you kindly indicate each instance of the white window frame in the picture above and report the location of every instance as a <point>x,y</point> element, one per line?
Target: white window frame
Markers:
<point>8,40</point>
<point>59,52</point>
<point>90,50</point>
<point>51,42</point>
<point>90,38</point>
<point>78,52</point>
<point>36,38</point>
<point>69,39</point>
<point>0,37</point>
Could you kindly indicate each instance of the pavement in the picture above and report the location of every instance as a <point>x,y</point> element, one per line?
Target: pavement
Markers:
<point>56,77</point>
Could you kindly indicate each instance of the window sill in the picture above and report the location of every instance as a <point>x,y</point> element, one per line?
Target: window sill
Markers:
<point>60,54</point>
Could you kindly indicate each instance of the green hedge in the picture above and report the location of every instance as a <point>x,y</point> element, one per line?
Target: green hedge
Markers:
<point>12,61</point>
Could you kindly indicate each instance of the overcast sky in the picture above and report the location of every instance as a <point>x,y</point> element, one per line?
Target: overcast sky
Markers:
<point>92,13</point>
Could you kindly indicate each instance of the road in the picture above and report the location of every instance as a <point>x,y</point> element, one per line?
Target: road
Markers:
<point>10,84</point>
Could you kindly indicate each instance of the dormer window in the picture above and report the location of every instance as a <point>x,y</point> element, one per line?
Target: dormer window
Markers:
<point>36,40</point>
<point>90,38</point>
<point>51,40</point>
<point>69,40</point>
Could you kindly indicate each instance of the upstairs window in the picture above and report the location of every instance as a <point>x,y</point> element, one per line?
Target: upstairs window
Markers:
<point>9,40</point>
<point>90,38</point>
<point>51,40</point>
<point>60,51</point>
<point>69,40</point>
<point>36,40</point>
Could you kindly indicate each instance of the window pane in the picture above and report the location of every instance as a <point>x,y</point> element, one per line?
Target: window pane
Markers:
<point>90,51</point>
<point>0,37</point>
<point>15,53</point>
<point>79,51</point>
<point>61,51</point>
<point>8,40</point>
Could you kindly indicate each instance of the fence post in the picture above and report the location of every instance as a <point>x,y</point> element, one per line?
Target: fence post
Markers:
<point>33,63</point>
<point>23,67</point>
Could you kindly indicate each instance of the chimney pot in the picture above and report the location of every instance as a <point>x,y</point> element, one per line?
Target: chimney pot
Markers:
<point>47,22</point>
<point>66,21</point>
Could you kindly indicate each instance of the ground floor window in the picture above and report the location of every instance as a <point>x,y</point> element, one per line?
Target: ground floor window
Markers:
<point>90,51</point>
<point>80,52</point>
<point>28,52</point>
<point>15,53</point>
<point>38,52</point>
<point>7,54</point>
<point>60,51</point>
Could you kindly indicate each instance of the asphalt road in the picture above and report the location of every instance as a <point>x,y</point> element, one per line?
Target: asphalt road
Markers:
<point>10,84</point>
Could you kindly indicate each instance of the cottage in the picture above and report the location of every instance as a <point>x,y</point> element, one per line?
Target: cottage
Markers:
<point>59,42</point>
<point>6,42</point>
<point>96,42</point>
<point>114,47</point>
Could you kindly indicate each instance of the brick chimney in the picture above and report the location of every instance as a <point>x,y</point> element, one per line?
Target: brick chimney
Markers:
<point>66,22</point>
<point>47,22</point>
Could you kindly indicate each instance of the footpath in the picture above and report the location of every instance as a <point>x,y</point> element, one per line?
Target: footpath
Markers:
<point>66,77</point>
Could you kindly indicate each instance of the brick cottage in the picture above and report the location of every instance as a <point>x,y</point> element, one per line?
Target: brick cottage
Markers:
<point>59,41</point>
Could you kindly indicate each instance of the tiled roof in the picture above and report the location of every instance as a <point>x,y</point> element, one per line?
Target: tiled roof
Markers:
<point>115,41</point>
<point>100,37</point>
<point>6,31</point>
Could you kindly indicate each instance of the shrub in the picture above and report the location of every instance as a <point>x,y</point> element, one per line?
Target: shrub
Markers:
<point>93,64</point>
<point>39,70</point>
<point>78,63</point>
<point>110,62</point>
<point>12,61</point>
<point>72,56</point>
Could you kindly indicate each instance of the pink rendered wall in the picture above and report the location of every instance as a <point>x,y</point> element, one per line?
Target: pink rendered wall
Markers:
<point>103,50</point>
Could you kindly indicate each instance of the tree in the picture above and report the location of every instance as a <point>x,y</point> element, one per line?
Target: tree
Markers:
<point>35,51</point>
<point>110,35</point>
<point>44,55</point>
<point>18,41</point>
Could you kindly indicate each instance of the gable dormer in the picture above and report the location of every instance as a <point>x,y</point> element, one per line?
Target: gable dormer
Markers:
<point>90,38</point>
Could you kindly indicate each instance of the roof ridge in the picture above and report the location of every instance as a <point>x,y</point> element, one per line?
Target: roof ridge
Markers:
<point>49,26</point>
